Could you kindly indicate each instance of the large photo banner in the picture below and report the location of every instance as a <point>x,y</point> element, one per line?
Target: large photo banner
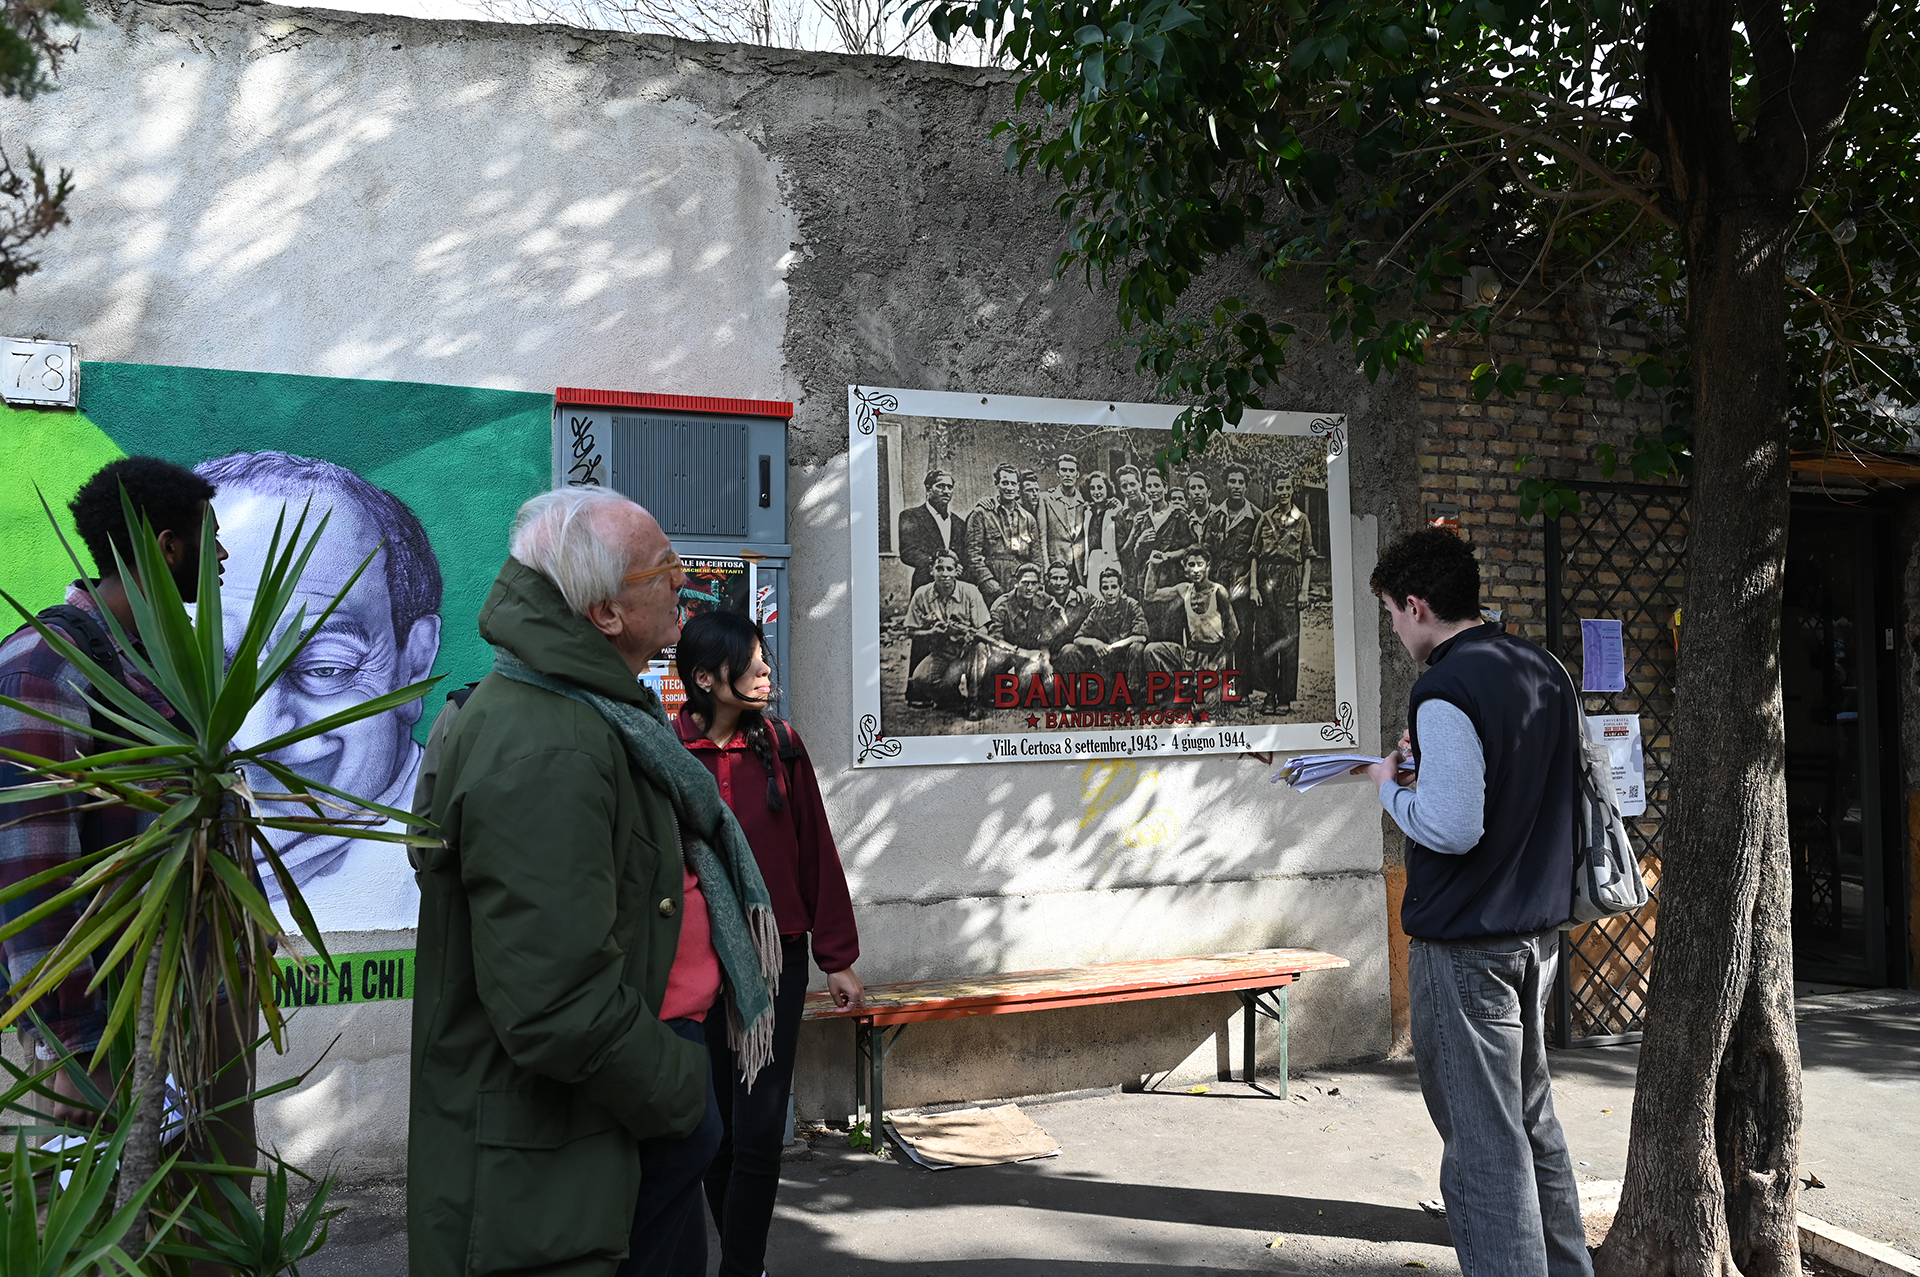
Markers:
<point>1029,584</point>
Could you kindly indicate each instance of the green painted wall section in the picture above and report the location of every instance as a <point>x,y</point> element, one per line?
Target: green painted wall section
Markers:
<point>50,451</point>
<point>462,458</point>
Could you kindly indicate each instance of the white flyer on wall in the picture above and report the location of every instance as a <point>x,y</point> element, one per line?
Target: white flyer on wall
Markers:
<point>1621,733</point>
<point>1603,663</point>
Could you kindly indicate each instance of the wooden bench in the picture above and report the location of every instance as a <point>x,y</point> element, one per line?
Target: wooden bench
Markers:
<point>1259,977</point>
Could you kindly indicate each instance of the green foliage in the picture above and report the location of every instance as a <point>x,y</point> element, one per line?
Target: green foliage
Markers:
<point>32,205</point>
<point>31,43</point>
<point>260,1241</point>
<point>182,897</point>
<point>183,894</point>
<point>245,1239</point>
<point>72,1189</point>
<point>1435,166</point>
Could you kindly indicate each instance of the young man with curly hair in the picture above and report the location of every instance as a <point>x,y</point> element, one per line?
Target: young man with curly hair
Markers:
<point>1490,841</point>
<point>38,836</point>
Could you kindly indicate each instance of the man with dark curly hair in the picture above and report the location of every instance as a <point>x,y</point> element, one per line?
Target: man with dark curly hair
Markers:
<point>38,836</point>
<point>1490,830</point>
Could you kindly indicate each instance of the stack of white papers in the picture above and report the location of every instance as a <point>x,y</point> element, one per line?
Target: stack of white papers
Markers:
<point>1315,769</point>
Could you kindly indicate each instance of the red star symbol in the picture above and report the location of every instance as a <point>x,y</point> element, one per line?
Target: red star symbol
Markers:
<point>1032,721</point>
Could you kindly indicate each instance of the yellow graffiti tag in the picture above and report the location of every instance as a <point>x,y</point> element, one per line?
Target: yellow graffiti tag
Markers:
<point>1109,784</point>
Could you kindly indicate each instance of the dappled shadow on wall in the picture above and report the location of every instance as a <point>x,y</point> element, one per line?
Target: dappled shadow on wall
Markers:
<point>1038,865</point>
<point>459,211</point>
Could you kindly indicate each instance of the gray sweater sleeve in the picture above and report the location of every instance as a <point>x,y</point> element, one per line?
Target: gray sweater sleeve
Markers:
<point>1447,810</point>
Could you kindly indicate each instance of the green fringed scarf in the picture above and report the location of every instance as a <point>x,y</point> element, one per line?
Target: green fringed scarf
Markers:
<point>738,906</point>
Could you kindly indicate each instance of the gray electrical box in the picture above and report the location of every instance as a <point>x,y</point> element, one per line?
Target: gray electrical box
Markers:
<point>713,472</point>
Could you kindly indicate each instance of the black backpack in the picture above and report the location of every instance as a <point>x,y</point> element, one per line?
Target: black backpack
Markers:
<point>783,739</point>
<point>84,630</point>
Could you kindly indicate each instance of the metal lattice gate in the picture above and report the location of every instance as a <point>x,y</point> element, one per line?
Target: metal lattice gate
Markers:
<point>1621,556</point>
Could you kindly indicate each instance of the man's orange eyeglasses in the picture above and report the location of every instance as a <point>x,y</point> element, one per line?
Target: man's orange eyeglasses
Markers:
<point>673,564</point>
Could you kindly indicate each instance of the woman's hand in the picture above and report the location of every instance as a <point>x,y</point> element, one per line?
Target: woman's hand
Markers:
<point>845,988</point>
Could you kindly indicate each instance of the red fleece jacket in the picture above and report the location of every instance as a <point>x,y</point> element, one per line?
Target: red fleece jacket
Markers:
<point>794,847</point>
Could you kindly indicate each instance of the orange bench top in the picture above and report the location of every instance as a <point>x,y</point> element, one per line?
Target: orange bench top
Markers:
<point>1075,986</point>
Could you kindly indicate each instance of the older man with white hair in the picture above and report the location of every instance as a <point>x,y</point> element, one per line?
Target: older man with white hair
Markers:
<point>592,902</point>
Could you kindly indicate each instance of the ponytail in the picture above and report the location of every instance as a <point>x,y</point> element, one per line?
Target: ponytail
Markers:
<point>753,725</point>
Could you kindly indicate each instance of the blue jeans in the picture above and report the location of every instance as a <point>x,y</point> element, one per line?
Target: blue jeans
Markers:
<point>1479,1039</point>
<point>669,1236</point>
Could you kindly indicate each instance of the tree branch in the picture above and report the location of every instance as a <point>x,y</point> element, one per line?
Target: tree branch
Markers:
<point>1773,53</point>
<point>1827,73</point>
<point>1479,116</point>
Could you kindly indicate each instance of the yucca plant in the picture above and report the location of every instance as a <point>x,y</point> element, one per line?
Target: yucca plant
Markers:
<point>58,1222</point>
<point>257,1241</point>
<point>57,1217</point>
<point>177,909</point>
<point>246,1240</point>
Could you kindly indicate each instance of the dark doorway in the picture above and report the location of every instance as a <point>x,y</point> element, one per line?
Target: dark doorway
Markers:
<point>1840,735</point>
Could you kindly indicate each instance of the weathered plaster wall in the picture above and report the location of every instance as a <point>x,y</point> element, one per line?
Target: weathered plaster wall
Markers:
<point>290,191</point>
<point>299,191</point>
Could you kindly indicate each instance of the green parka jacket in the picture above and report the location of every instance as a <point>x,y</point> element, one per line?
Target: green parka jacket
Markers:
<point>548,923</point>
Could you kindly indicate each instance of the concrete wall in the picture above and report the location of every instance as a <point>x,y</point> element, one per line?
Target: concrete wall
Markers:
<point>297,191</point>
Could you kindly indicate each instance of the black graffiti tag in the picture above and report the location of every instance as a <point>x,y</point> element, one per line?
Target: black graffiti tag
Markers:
<point>585,470</point>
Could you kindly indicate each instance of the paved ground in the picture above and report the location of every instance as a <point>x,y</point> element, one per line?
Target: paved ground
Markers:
<point>1168,1185</point>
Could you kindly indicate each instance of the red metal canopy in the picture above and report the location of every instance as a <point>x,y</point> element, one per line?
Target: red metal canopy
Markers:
<point>578,397</point>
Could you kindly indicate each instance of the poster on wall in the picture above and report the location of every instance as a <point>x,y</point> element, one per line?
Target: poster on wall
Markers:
<point>1029,585</point>
<point>726,584</point>
<point>426,478</point>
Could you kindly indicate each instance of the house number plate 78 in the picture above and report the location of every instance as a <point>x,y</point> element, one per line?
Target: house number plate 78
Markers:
<point>46,373</point>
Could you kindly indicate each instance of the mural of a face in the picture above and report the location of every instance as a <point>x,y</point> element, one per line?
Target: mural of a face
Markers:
<point>384,635</point>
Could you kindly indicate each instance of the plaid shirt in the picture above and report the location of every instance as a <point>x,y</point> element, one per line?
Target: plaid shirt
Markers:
<point>33,673</point>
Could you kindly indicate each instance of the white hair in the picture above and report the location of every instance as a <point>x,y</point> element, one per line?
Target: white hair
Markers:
<point>570,537</point>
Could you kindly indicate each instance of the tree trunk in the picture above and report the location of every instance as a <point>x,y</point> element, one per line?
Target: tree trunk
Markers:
<point>1710,1185</point>
<point>141,1156</point>
<point>1716,1117</point>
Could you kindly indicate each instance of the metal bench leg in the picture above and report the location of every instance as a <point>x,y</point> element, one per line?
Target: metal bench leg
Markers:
<point>862,1071</point>
<point>882,1046</point>
<point>1271,1003</point>
<point>1280,1018</point>
<point>864,1074</point>
<point>876,1077</point>
<point>1249,1003</point>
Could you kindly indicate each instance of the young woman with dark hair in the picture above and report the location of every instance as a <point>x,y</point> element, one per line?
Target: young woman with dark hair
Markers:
<point>767,780</point>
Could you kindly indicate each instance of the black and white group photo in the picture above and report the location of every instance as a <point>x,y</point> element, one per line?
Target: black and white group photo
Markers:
<point>1040,575</point>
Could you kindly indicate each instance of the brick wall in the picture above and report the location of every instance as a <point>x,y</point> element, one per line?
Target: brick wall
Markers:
<point>1468,449</point>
